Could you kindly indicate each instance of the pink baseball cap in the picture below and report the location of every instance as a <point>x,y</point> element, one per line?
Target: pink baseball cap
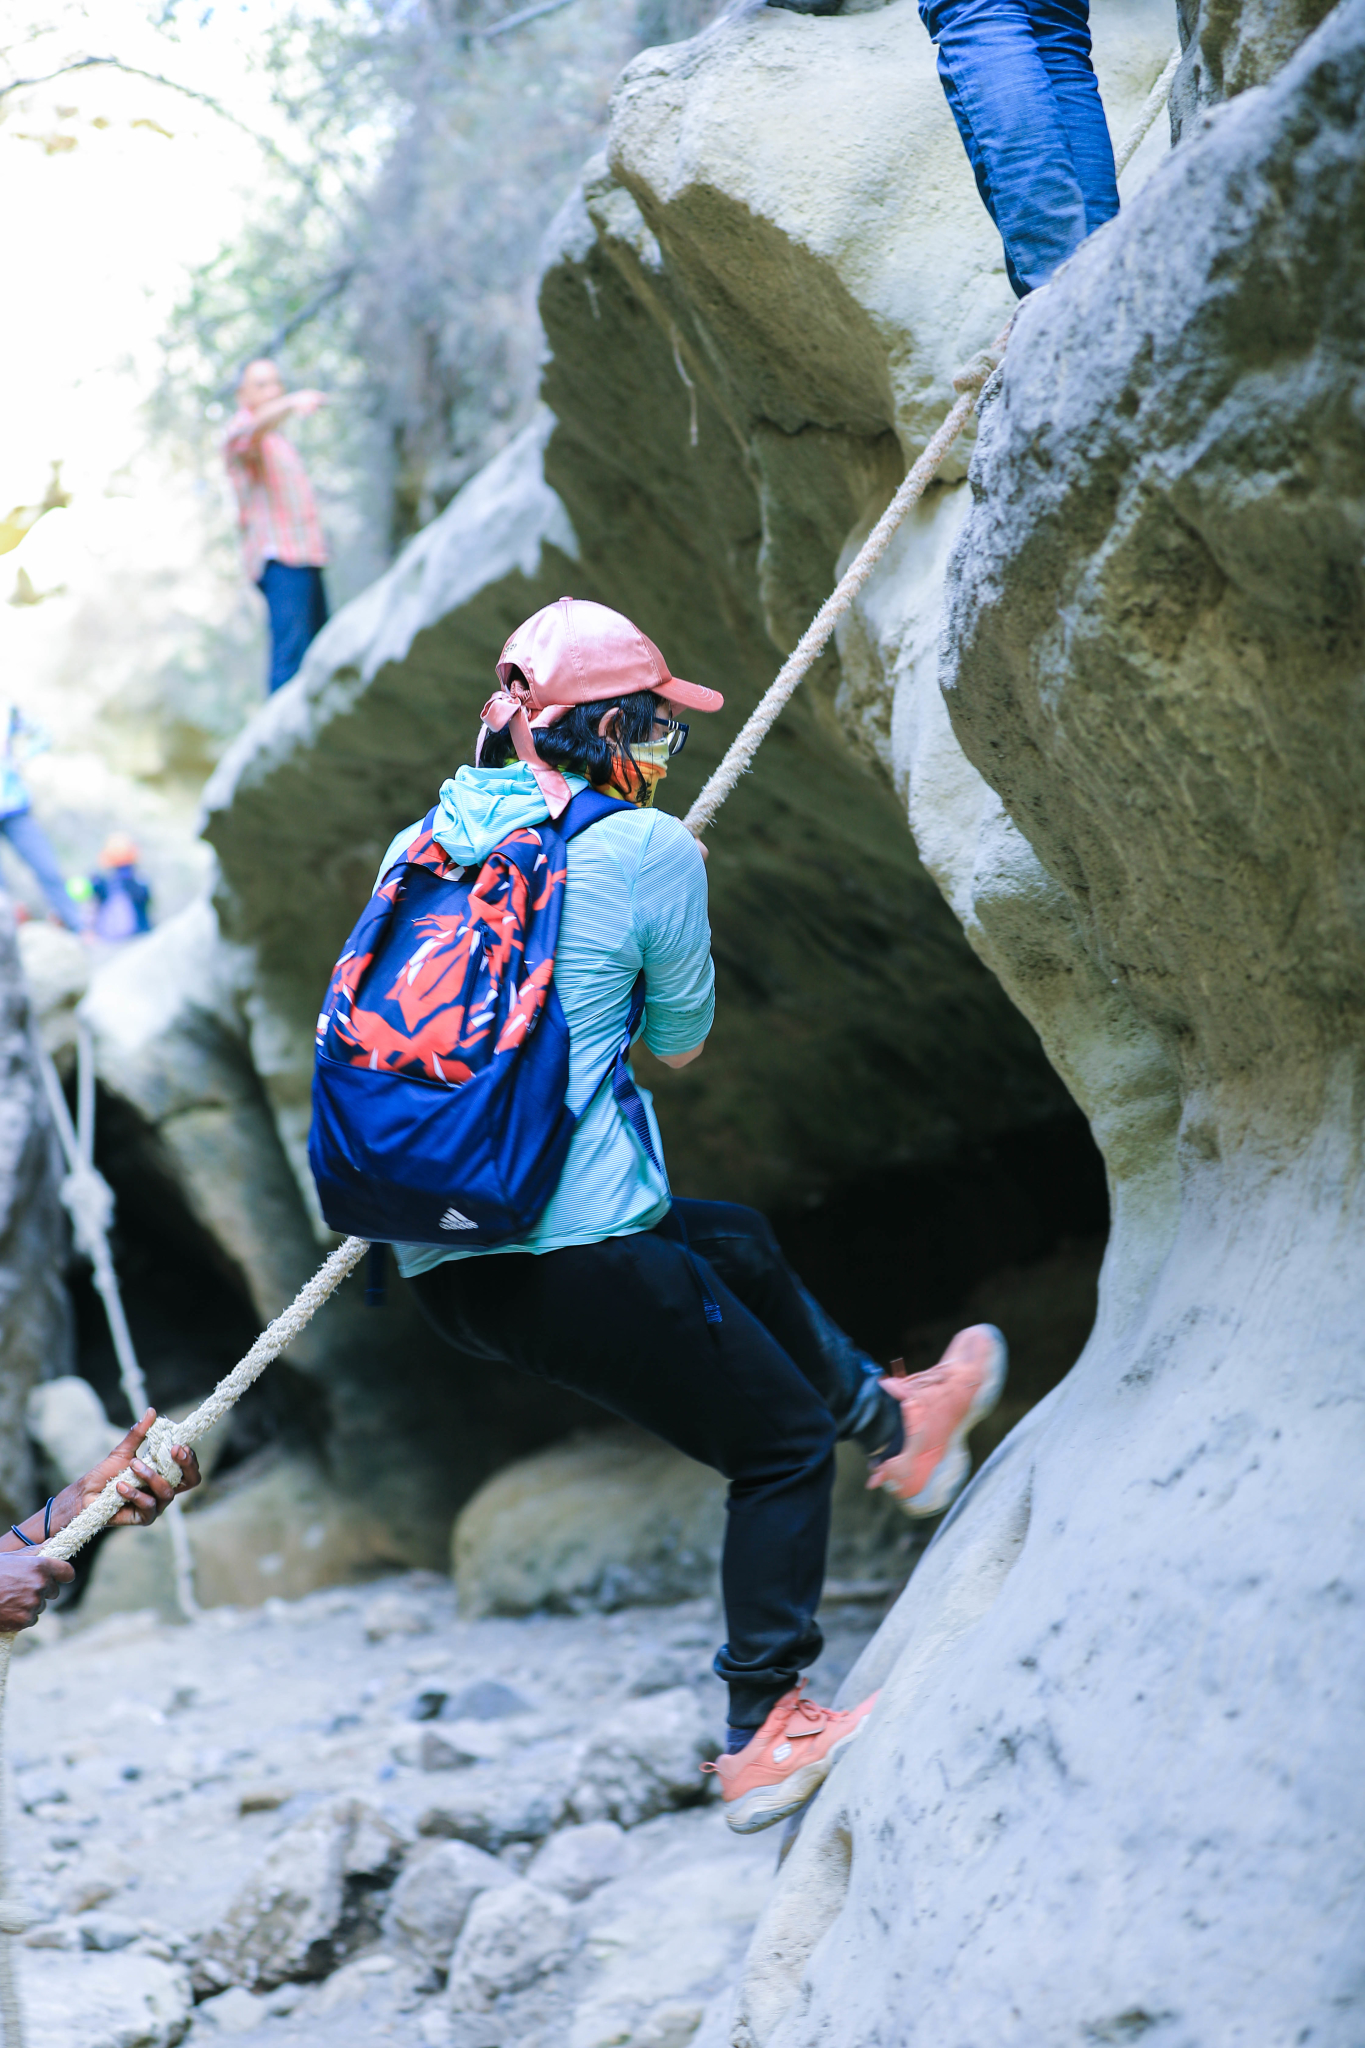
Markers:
<point>576,652</point>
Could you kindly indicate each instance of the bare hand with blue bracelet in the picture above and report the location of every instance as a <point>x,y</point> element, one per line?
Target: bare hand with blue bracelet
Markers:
<point>27,1578</point>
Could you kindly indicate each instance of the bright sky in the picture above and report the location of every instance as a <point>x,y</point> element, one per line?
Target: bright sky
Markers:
<point>111,189</point>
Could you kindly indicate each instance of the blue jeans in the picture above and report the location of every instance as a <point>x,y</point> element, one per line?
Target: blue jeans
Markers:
<point>31,843</point>
<point>1018,78</point>
<point>297,603</point>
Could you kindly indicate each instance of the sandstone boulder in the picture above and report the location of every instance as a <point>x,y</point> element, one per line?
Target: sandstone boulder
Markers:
<point>1105,1792</point>
<point>68,1426</point>
<point>609,1520</point>
<point>619,1519</point>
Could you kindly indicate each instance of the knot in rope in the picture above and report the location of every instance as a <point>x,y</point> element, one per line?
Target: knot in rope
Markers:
<point>89,1201</point>
<point>978,368</point>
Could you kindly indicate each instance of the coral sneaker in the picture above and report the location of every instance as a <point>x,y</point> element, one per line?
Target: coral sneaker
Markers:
<point>787,1762</point>
<point>938,1408</point>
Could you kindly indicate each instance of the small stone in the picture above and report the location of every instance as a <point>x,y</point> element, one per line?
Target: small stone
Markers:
<point>392,1615</point>
<point>577,1860</point>
<point>264,1798</point>
<point>107,1931</point>
<point>669,2026</point>
<point>231,2012</point>
<point>512,1937</point>
<point>488,1699</point>
<point>427,1706</point>
<point>434,1753</point>
<point>54,1934</point>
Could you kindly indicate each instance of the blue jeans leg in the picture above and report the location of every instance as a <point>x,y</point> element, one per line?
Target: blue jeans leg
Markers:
<point>32,845</point>
<point>1018,78</point>
<point>296,599</point>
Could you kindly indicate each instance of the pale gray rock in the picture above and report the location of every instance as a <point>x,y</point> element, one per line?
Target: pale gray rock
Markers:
<point>234,2011</point>
<point>1230,46</point>
<point>68,1426</point>
<point>608,1520</point>
<point>103,2001</point>
<point>286,1920</point>
<point>1108,1789</point>
<point>513,1936</point>
<point>577,1860</point>
<point>662,1942</point>
<point>646,1758</point>
<point>619,1519</point>
<point>494,1805</point>
<point>432,1898</point>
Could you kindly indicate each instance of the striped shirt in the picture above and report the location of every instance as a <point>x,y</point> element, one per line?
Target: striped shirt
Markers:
<point>275,505</point>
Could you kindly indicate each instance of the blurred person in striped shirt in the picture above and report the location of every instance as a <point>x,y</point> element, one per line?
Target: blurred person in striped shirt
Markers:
<point>282,540</point>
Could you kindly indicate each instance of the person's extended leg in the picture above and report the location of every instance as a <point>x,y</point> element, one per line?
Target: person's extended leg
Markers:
<point>32,845</point>
<point>1061,30</point>
<point>292,597</point>
<point>622,1322</point>
<point>740,1245</point>
<point>1001,95</point>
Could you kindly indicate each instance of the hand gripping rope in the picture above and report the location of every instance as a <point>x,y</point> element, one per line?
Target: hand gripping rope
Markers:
<point>968,383</point>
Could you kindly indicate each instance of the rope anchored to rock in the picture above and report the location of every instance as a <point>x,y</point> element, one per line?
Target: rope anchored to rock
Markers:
<point>969,382</point>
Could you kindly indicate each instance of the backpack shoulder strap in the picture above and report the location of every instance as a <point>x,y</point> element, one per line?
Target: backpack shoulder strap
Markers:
<point>420,851</point>
<point>586,809</point>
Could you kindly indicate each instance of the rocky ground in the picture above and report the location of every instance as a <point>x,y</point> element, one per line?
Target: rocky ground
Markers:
<point>356,1818</point>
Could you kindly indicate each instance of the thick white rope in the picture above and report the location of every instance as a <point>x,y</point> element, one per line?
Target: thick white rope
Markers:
<point>1153,105</point>
<point>89,1201</point>
<point>761,720</point>
<point>968,382</point>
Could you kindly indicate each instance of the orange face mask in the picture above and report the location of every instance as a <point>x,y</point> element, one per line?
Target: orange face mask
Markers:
<point>651,761</point>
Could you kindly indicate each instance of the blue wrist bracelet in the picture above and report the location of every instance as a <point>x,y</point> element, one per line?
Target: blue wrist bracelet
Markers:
<point>47,1517</point>
<point>15,1530</point>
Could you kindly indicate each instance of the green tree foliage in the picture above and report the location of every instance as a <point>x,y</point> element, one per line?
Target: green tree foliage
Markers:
<point>392,258</point>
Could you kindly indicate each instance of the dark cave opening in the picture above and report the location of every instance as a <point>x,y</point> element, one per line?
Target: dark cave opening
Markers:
<point>1011,1232</point>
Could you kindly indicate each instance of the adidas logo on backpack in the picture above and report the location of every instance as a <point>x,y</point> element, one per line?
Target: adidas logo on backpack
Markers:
<point>453,1220</point>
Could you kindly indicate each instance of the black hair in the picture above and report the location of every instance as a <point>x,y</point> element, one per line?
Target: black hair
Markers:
<point>574,745</point>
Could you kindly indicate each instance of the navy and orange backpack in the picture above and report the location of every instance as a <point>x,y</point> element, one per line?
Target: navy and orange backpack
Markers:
<point>442,1049</point>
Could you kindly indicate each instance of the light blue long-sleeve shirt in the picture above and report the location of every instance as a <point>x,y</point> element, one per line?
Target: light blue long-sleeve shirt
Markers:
<point>635,898</point>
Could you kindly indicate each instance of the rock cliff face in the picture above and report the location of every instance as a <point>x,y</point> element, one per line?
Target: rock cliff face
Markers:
<point>1109,1764</point>
<point>35,1316</point>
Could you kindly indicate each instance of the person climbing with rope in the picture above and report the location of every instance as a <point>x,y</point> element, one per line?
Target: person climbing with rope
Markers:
<point>29,1578</point>
<point>680,1316</point>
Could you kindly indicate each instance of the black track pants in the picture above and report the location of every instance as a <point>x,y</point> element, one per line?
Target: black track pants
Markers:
<point>760,1396</point>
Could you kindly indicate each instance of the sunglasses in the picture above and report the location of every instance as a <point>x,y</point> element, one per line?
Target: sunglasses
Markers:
<point>677,736</point>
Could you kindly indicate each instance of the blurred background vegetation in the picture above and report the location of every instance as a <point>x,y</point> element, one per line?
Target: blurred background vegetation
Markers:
<point>392,255</point>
